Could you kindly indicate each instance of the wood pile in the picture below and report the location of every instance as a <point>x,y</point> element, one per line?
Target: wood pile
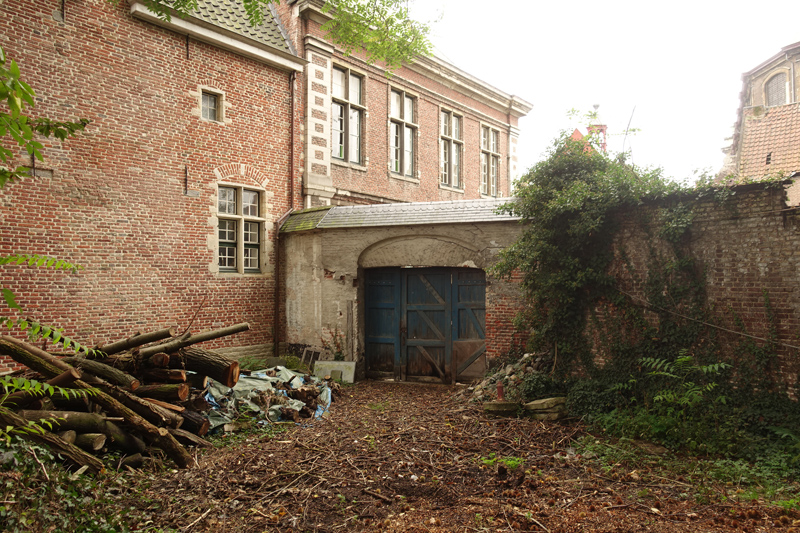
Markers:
<point>146,396</point>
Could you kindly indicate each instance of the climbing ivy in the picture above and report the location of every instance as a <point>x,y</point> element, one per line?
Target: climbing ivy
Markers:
<point>641,336</point>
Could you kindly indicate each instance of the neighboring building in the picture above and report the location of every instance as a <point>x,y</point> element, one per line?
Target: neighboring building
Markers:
<point>205,135</point>
<point>766,138</point>
<point>429,132</point>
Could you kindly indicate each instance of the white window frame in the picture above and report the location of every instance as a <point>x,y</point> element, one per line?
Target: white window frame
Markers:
<point>244,254</point>
<point>489,159</point>
<point>350,107</point>
<point>403,133</point>
<point>219,96</point>
<point>451,149</point>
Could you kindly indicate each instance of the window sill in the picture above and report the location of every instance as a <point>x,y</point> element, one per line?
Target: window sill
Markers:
<point>489,197</point>
<point>451,188</point>
<point>401,177</point>
<point>217,122</point>
<point>345,164</point>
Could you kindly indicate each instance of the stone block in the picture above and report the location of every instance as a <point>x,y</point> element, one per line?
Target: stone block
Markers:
<point>326,368</point>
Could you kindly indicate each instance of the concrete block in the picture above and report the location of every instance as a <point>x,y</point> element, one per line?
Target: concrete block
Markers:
<point>326,368</point>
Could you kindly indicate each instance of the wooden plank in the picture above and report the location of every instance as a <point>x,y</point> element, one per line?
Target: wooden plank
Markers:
<point>424,352</point>
<point>471,359</point>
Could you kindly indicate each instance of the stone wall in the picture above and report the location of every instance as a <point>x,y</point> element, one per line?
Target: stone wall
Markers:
<point>324,277</point>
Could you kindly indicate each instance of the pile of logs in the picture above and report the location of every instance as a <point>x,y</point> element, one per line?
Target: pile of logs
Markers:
<point>145,395</point>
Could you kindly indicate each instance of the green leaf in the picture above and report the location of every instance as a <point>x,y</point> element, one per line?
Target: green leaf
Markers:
<point>10,299</point>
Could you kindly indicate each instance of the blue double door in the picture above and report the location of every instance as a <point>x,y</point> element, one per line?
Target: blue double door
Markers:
<point>425,324</point>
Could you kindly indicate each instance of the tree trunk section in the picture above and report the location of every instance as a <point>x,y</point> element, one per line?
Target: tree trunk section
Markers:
<point>207,363</point>
<point>195,423</point>
<point>164,375</point>
<point>136,341</point>
<point>91,442</point>
<point>167,392</point>
<point>69,452</point>
<point>108,373</point>
<point>23,398</point>
<point>177,344</point>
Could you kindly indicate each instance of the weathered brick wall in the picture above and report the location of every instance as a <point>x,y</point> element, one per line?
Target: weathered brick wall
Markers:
<point>112,199</point>
<point>744,248</point>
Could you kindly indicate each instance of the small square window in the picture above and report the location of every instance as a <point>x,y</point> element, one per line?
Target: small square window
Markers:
<point>227,200</point>
<point>210,106</point>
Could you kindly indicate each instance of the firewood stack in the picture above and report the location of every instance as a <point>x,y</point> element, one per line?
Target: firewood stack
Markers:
<point>147,396</point>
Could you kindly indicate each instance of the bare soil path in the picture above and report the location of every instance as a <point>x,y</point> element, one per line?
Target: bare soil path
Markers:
<point>409,457</point>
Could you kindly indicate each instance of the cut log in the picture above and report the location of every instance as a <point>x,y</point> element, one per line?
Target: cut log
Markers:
<point>108,373</point>
<point>168,406</point>
<point>68,435</point>
<point>190,439</point>
<point>85,423</point>
<point>134,461</point>
<point>69,452</point>
<point>136,341</point>
<point>168,392</point>
<point>197,381</point>
<point>195,423</point>
<point>91,442</point>
<point>177,344</point>
<point>164,375</point>
<point>49,366</point>
<point>23,398</point>
<point>197,402</point>
<point>208,363</point>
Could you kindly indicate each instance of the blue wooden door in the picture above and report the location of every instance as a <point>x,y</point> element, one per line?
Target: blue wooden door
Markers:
<point>425,324</point>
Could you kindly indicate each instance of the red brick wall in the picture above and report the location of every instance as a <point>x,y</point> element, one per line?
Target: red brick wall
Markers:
<point>115,203</point>
<point>504,299</point>
<point>746,247</point>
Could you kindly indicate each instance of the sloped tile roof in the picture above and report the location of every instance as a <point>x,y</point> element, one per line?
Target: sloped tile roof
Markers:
<point>231,15</point>
<point>406,214</point>
<point>773,132</point>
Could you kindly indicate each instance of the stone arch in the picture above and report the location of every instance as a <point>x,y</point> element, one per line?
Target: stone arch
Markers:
<point>421,251</point>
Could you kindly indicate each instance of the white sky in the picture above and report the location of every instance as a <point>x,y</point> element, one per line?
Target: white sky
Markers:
<point>678,62</point>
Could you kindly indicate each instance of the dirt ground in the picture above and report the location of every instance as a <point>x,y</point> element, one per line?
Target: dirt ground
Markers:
<point>410,457</point>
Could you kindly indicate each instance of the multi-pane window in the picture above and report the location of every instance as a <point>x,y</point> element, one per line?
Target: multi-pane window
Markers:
<point>402,127</point>
<point>775,89</point>
<point>490,160</point>
<point>240,228</point>
<point>451,149</point>
<point>210,106</point>
<point>346,115</point>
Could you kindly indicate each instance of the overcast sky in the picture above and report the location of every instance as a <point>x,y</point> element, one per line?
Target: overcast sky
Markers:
<point>678,63</point>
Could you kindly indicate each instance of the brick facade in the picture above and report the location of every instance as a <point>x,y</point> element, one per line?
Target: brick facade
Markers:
<point>744,249</point>
<point>133,199</point>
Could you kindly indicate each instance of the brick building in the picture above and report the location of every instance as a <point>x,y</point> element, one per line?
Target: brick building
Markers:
<point>205,134</point>
<point>429,132</point>
<point>766,137</point>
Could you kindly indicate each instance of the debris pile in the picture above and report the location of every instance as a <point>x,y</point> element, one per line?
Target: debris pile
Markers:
<point>511,377</point>
<point>150,394</point>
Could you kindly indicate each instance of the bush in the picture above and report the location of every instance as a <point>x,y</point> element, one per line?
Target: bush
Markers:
<point>590,397</point>
<point>537,385</point>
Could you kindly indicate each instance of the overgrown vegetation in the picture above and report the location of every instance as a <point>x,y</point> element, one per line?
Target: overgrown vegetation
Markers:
<point>641,363</point>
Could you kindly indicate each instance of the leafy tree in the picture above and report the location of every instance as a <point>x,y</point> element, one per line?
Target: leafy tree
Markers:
<point>22,129</point>
<point>567,202</point>
<point>383,28</point>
